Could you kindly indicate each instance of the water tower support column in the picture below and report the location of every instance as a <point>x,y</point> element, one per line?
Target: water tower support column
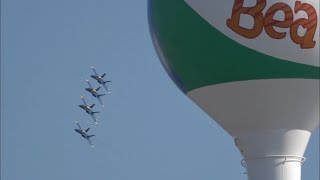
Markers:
<point>273,154</point>
<point>275,168</point>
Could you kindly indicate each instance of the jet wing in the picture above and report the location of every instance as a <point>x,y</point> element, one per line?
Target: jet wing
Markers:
<point>106,87</point>
<point>90,142</point>
<point>89,84</point>
<point>78,125</point>
<point>94,71</point>
<point>84,101</point>
<point>100,100</point>
<point>94,118</point>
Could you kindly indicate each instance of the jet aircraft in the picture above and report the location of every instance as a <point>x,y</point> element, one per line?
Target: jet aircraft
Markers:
<point>88,109</point>
<point>95,93</point>
<point>100,79</point>
<point>84,133</point>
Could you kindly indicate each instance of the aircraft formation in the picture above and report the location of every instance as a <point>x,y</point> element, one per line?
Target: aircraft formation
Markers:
<point>89,109</point>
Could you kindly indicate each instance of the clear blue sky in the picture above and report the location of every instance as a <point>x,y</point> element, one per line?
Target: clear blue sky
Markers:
<point>148,128</point>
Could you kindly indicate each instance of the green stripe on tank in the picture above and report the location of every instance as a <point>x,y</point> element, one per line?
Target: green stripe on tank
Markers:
<point>201,55</point>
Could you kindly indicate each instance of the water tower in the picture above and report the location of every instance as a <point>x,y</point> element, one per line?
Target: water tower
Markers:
<point>251,65</point>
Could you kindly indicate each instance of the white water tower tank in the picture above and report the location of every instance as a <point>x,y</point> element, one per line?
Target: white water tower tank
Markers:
<point>253,66</point>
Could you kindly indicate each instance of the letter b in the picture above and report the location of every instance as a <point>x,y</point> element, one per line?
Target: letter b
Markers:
<point>255,12</point>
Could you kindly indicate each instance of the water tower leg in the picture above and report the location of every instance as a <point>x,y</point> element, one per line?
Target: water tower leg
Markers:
<point>275,168</point>
<point>273,154</point>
